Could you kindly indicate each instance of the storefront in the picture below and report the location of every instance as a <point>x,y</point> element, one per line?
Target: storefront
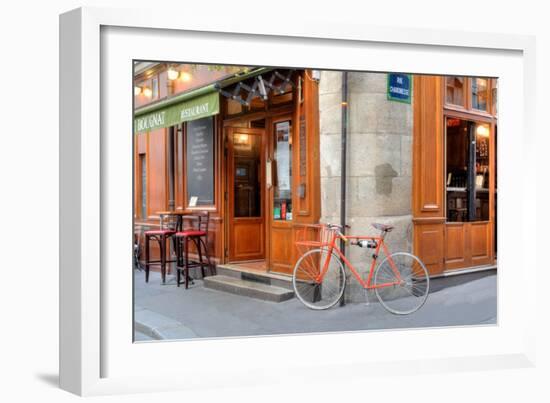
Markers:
<point>252,147</point>
<point>454,172</point>
<point>243,146</point>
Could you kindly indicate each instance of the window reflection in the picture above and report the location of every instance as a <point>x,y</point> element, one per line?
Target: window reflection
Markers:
<point>480,93</point>
<point>247,201</point>
<point>282,196</point>
<point>454,93</point>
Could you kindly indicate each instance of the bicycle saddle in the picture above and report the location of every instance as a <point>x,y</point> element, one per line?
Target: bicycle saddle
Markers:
<point>382,227</point>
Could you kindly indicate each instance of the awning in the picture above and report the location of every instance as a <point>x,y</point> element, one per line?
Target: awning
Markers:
<point>196,104</point>
<point>195,108</point>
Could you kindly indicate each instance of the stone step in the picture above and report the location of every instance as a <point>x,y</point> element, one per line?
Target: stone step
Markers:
<point>277,280</point>
<point>253,289</point>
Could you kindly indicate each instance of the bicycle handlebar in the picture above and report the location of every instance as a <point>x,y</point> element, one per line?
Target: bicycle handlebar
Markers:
<point>337,226</point>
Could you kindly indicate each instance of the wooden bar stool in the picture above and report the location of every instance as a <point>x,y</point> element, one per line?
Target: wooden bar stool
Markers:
<point>199,236</point>
<point>161,236</point>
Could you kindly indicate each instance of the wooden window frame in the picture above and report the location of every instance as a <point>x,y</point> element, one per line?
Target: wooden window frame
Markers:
<point>467,107</point>
<point>465,94</point>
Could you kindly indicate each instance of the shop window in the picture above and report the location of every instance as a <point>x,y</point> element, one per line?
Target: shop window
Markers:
<point>143,193</point>
<point>282,181</point>
<point>454,90</point>
<point>467,170</point>
<point>480,93</point>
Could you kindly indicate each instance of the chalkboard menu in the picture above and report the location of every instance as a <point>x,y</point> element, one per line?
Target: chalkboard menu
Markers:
<point>200,160</point>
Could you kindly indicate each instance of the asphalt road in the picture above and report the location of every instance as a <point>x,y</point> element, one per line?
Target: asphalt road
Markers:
<point>453,301</point>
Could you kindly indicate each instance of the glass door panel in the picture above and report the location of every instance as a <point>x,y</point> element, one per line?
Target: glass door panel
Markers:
<point>247,180</point>
<point>282,181</point>
<point>482,132</point>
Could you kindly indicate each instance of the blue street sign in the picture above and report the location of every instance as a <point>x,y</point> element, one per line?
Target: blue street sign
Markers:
<point>399,87</point>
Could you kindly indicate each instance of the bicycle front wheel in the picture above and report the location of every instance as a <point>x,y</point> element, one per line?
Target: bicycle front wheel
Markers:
<point>312,291</point>
<point>401,283</point>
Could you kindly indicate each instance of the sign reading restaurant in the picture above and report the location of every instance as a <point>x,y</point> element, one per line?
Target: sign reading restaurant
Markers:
<point>194,111</point>
<point>196,108</point>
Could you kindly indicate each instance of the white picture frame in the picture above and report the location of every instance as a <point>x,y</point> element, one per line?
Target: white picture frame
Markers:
<point>97,355</point>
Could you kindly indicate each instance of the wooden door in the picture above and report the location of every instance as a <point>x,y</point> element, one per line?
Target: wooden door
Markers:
<point>246,157</point>
<point>280,196</point>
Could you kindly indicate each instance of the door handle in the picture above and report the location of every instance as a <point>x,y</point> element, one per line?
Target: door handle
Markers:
<point>268,174</point>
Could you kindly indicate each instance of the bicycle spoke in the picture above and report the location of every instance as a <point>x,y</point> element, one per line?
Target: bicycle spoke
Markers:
<point>326,292</point>
<point>411,288</point>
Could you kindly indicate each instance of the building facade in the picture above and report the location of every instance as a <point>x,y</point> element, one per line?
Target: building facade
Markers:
<point>260,148</point>
<point>379,162</point>
<point>242,144</point>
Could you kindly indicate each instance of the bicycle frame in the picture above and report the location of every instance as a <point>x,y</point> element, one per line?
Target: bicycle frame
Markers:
<point>380,244</point>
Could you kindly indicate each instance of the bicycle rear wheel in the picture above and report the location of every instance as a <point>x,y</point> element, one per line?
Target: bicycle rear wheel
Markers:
<point>323,293</point>
<point>402,283</point>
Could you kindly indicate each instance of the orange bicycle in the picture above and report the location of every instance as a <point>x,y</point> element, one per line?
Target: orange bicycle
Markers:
<point>400,281</point>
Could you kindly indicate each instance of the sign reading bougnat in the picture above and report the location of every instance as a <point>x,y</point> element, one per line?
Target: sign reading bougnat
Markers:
<point>196,108</point>
<point>150,122</point>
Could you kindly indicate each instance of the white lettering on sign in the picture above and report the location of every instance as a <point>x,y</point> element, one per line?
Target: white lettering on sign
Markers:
<point>150,122</point>
<point>398,90</point>
<point>194,111</point>
<point>399,80</point>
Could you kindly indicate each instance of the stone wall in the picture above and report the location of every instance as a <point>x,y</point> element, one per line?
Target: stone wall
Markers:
<point>379,163</point>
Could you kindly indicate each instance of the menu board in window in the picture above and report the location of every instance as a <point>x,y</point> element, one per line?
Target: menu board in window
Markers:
<point>200,161</point>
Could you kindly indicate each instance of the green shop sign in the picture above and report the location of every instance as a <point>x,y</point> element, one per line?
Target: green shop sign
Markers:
<point>196,108</point>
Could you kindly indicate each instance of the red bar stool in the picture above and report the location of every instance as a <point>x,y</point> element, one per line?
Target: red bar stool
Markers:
<point>161,236</point>
<point>199,236</point>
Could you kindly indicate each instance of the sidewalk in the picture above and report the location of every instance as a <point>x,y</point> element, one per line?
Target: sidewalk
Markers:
<point>169,312</point>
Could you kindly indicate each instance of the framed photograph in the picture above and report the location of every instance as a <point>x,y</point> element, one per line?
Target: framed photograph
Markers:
<point>264,280</point>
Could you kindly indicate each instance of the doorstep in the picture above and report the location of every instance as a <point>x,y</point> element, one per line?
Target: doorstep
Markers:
<point>253,283</point>
<point>240,272</point>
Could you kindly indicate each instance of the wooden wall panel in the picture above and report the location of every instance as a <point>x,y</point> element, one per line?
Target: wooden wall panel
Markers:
<point>157,189</point>
<point>428,148</point>
<point>456,245</point>
<point>306,158</point>
<point>481,245</point>
<point>428,174</point>
<point>178,170</point>
<point>429,241</point>
<point>246,243</point>
<point>282,241</point>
